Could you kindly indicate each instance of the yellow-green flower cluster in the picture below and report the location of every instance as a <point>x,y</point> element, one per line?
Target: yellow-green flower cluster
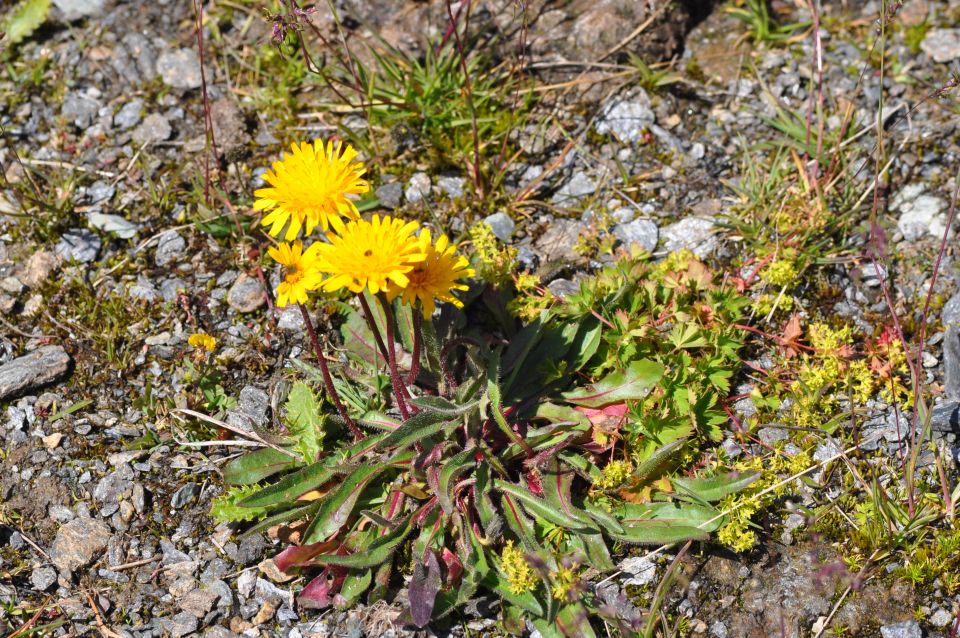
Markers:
<point>312,188</point>
<point>520,575</point>
<point>614,474</point>
<point>779,273</point>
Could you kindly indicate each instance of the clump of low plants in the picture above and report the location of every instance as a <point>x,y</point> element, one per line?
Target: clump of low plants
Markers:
<point>479,455</point>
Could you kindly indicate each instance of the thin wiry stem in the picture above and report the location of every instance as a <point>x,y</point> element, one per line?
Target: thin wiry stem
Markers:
<point>325,372</point>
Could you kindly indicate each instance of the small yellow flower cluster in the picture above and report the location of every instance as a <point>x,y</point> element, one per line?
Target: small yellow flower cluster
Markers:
<point>614,474</point>
<point>202,341</point>
<point>563,582</point>
<point>779,273</point>
<point>518,571</point>
<point>310,188</point>
<point>495,262</point>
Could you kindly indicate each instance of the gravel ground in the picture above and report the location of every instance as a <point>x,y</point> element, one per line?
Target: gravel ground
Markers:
<point>104,515</point>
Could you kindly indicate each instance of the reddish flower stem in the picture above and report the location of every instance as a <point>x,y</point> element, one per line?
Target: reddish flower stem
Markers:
<point>399,388</point>
<point>417,345</point>
<point>327,379</point>
<point>372,324</point>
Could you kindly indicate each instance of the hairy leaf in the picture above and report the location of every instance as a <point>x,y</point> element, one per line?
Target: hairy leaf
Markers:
<point>305,421</point>
<point>716,487</point>
<point>338,505</point>
<point>423,588</point>
<point>630,384</point>
<point>255,466</point>
<point>23,19</point>
<point>539,508</point>
<point>291,486</point>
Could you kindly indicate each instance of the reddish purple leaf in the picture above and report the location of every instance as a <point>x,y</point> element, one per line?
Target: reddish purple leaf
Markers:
<point>423,590</point>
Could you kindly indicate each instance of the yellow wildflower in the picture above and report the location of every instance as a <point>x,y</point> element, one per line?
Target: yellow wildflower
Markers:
<point>202,341</point>
<point>564,581</point>
<point>435,277</point>
<point>301,273</point>
<point>370,254</point>
<point>310,188</point>
<point>615,474</point>
<point>518,571</point>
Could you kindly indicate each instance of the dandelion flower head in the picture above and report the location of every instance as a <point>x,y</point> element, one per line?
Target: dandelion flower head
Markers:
<point>300,272</point>
<point>310,188</point>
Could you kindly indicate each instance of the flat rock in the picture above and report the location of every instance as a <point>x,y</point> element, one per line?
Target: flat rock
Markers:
<point>418,188</point>
<point>154,128</point>
<point>626,119</point>
<point>908,629</point>
<point>922,216</point>
<point>501,224</point>
<point>78,543</point>
<point>78,244</point>
<point>170,247</point>
<point>639,232</point>
<point>390,195</point>
<point>129,114</point>
<point>229,127</point>
<point>693,233</point>
<point>559,239</point>
<point>113,224</point>
<point>76,9</point>
<point>33,370</point>
<point>180,68</point>
<point>942,45</point>
<point>246,294</point>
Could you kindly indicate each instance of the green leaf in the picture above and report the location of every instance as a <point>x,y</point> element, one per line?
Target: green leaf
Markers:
<point>631,384</point>
<point>701,517</point>
<point>353,586</point>
<point>338,506</point>
<point>416,428</point>
<point>686,336</point>
<point>285,516</point>
<point>440,405</point>
<point>453,468</point>
<point>490,518</point>
<point>539,508</point>
<point>373,555</point>
<point>557,480</point>
<point>291,486</point>
<point>574,621</point>
<point>659,533</point>
<point>255,466</point>
<point>585,344</point>
<point>225,508</point>
<point>716,487</point>
<point>23,19</point>
<point>305,421</point>
<point>657,462</point>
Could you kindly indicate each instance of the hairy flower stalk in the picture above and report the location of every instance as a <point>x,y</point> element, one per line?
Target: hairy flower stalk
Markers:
<point>325,372</point>
<point>417,346</point>
<point>399,387</point>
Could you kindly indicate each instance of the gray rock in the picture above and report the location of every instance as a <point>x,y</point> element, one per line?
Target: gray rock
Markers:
<point>170,288</point>
<point>170,247</point>
<point>922,216</point>
<point>246,294</point>
<point>718,630</point>
<point>129,114</point>
<point>950,315</point>
<point>42,578</point>
<point>390,195</point>
<point>580,185</point>
<point>942,45</point>
<point>527,258</point>
<point>452,186</point>
<point>78,244</point>
<point>255,403</point>
<point>951,362</point>
<point>155,128</point>
<point>112,488</point>
<point>180,625</point>
<point>143,289</point>
<point>100,191</point>
<point>563,287</point>
<point>771,435</point>
<point>642,570</point>
<point>199,602</point>
<point>501,224</point>
<point>76,9</point>
<point>418,188</point>
<point>908,629</point>
<point>626,119</point>
<point>693,233</point>
<point>641,232</point>
<point>229,128</point>
<point>184,496</point>
<point>946,417</point>
<point>941,618</point>
<point>290,320</point>
<point>80,108</point>
<point>180,68</point>
<point>33,370</point>
<point>559,239</point>
<point>78,543</point>
<point>114,224</point>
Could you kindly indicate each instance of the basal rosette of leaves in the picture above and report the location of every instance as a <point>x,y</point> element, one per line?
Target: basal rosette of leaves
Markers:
<point>476,454</point>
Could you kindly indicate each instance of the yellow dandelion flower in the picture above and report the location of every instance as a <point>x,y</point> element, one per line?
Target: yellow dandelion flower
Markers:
<point>301,272</point>
<point>435,277</point>
<point>370,254</point>
<point>202,340</point>
<point>309,188</point>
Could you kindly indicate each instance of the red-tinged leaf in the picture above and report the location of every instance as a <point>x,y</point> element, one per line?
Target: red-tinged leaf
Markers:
<point>423,589</point>
<point>631,384</point>
<point>454,566</point>
<point>319,592</point>
<point>300,554</point>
